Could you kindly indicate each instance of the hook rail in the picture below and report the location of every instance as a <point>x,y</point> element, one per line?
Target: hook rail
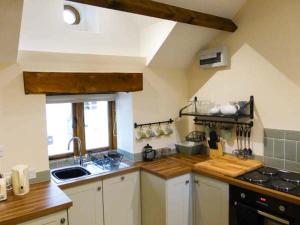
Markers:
<point>153,123</point>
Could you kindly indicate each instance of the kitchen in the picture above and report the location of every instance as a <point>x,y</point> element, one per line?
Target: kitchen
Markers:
<point>263,62</point>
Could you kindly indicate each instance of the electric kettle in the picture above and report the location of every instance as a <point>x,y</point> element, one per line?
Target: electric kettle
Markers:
<point>20,179</point>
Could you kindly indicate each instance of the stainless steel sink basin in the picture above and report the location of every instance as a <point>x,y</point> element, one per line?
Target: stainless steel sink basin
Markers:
<point>76,172</point>
<point>70,173</point>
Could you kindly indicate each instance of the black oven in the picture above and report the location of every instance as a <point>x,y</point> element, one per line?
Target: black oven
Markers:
<point>251,208</point>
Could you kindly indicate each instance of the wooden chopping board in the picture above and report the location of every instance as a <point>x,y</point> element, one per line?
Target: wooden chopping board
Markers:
<point>229,165</point>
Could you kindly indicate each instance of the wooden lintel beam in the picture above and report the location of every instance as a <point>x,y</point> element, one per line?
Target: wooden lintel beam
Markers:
<point>165,11</point>
<point>53,83</point>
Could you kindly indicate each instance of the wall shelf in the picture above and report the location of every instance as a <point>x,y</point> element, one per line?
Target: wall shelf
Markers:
<point>239,118</point>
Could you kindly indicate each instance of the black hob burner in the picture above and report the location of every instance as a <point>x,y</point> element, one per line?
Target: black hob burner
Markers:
<point>268,177</point>
<point>291,177</point>
<point>283,185</point>
<point>256,177</point>
<point>268,171</point>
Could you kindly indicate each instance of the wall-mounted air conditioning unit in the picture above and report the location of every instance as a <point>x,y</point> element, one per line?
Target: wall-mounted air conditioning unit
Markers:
<point>214,57</point>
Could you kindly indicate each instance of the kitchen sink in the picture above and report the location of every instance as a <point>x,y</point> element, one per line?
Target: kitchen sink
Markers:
<point>70,173</point>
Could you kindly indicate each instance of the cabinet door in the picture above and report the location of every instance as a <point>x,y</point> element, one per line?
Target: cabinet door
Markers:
<point>178,204</point>
<point>87,204</point>
<point>211,201</point>
<point>59,218</point>
<point>121,199</point>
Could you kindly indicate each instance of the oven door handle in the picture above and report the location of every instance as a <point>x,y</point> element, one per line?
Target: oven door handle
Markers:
<point>273,217</point>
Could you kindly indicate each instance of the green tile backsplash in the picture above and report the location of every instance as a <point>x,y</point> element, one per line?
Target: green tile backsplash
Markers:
<point>272,162</point>
<point>292,135</point>
<point>269,147</point>
<point>279,149</point>
<point>282,149</point>
<point>290,150</point>
<point>273,133</point>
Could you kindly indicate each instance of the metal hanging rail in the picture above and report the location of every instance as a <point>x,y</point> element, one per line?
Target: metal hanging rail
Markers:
<point>153,123</point>
<point>207,122</point>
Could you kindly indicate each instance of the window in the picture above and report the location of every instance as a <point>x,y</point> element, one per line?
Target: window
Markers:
<point>71,15</point>
<point>92,121</point>
<point>95,114</point>
<point>59,127</point>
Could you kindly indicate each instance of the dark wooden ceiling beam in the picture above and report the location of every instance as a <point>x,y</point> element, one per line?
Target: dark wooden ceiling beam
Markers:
<point>165,11</point>
<point>53,83</point>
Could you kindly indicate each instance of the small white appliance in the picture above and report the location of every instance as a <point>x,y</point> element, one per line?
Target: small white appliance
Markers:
<point>20,179</point>
<point>214,57</point>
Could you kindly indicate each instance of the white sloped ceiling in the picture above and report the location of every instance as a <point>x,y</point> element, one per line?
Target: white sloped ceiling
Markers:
<point>109,32</point>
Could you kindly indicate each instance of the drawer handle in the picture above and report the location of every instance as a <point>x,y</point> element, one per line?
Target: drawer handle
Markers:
<point>62,221</point>
<point>99,189</point>
<point>196,182</point>
<point>187,182</point>
<point>122,178</point>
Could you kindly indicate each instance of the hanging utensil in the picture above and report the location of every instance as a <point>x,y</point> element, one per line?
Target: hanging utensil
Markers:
<point>249,142</point>
<point>241,136</point>
<point>245,139</point>
<point>237,136</point>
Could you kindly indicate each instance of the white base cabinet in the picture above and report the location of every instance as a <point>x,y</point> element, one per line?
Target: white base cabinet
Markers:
<point>166,202</point>
<point>121,200</point>
<point>211,201</point>
<point>60,218</point>
<point>87,204</point>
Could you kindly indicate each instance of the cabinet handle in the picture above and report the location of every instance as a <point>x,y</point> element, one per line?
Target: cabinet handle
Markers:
<point>62,221</point>
<point>122,178</point>
<point>196,182</point>
<point>99,189</point>
<point>187,182</point>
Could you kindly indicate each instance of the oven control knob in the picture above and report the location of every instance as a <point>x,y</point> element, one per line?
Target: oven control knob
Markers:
<point>281,208</point>
<point>243,195</point>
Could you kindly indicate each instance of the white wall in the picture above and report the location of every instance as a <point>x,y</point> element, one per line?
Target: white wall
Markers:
<point>153,36</point>
<point>23,118</point>
<point>264,63</point>
<point>165,92</point>
<point>10,24</point>
<point>181,45</point>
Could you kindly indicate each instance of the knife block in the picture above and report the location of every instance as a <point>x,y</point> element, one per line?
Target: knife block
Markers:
<point>214,153</point>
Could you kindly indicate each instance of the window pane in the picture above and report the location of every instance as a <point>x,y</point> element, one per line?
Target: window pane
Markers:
<point>59,127</point>
<point>96,124</point>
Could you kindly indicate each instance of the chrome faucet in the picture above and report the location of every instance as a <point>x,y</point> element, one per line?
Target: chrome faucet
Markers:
<point>79,148</point>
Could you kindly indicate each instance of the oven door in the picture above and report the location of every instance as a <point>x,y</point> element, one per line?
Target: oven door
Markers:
<point>242,214</point>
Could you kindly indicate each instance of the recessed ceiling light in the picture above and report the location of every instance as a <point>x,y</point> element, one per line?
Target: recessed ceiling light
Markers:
<point>71,15</point>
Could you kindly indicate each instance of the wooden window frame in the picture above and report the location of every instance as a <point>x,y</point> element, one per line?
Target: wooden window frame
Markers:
<point>79,131</point>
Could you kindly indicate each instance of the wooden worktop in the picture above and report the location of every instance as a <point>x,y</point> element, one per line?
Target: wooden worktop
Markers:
<point>46,198</point>
<point>183,164</point>
<point>43,199</point>
<point>165,168</point>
